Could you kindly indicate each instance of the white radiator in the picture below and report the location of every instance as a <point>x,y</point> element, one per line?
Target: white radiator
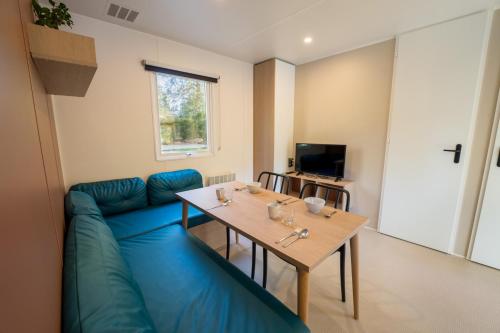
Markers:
<point>229,177</point>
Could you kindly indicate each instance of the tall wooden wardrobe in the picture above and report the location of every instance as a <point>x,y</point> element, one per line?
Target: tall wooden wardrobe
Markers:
<point>31,186</point>
<point>273,107</point>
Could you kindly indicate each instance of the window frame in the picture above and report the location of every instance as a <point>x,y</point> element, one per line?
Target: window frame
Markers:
<point>212,106</point>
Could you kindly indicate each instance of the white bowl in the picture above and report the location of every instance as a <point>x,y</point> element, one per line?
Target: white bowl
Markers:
<point>314,204</point>
<point>254,187</point>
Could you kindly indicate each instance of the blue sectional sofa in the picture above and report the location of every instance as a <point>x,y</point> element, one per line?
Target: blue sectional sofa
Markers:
<point>129,266</point>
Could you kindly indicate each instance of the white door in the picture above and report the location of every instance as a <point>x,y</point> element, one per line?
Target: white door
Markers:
<point>486,248</point>
<point>435,79</point>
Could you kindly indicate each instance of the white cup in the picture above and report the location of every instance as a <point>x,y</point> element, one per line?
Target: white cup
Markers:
<point>220,193</point>
<point>274,210</point>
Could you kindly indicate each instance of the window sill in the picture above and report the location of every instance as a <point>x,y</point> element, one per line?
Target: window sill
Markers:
<point>182,156</point>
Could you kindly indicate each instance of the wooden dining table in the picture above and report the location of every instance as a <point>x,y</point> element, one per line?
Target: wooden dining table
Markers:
<point>247,214</point>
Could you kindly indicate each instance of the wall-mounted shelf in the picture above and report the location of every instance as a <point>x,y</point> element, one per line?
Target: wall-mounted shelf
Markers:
<point>66,61</point>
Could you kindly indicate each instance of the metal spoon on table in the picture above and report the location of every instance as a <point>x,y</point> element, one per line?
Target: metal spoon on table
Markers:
<point>280,201</point>
<point>303,234</point>
<point>294,233</point>
<point>224,204</point>
<point>328,215</point>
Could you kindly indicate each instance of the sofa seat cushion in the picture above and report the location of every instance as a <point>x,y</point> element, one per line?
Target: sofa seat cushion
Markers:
<point>163,186</point>
<point>188,287</point>
<point>116,196</point>
<point>100,294</point>
<point>145,220</point>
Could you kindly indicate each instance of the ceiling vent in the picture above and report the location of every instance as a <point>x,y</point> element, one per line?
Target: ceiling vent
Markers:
<point>122,13</point>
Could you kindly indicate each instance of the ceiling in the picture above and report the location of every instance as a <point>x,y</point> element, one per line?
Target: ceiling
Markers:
<point>256,30</point>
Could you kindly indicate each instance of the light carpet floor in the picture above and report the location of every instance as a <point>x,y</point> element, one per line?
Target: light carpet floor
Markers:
<point>403,287</point>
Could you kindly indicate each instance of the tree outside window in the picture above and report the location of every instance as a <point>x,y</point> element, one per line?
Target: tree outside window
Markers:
<point>182,113</point>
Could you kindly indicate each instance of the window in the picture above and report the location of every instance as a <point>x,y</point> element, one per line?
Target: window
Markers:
<point>183,107</point>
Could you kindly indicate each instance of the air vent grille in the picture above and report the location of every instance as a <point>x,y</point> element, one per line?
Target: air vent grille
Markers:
<point>122,13</point>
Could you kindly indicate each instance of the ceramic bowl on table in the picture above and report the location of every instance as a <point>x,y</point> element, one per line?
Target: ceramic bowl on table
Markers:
<point>254,187</point>
<point>314,205</point>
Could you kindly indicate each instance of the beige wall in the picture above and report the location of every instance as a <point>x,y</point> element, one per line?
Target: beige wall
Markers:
<point>109,133</point>
<point>344,99</point>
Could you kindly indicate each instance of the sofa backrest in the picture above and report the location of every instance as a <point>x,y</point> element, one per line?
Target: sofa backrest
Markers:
<point>116,196</point>
<point>163,186</point>
<point>100,294</point>
<point>80,203</point>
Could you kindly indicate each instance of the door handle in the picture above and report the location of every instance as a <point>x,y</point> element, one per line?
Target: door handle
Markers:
<point>458,151</point>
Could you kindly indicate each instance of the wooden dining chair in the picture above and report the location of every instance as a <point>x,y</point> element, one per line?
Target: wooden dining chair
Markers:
<point>279,183</point>
<point>339,193</point>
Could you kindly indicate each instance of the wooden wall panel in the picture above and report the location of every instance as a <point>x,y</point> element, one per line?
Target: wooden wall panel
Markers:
<point>30,251</point>
<point>47,134</point>
<point>263,117</point>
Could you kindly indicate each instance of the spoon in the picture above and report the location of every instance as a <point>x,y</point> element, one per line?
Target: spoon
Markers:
<point>328,215</point>
<point>294,233</point>
<point>241,189</point>
<point>283,200</point>
<point>303,234</point>
<point>224,204</point>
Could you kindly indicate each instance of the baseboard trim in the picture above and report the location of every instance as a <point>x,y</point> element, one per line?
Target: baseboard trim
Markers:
<point>370,228</point>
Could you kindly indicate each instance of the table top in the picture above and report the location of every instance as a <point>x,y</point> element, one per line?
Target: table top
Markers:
<point>248,215</point>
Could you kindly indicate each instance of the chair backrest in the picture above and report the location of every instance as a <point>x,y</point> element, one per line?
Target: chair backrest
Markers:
<point>339,192</point>
<point>285,181</point>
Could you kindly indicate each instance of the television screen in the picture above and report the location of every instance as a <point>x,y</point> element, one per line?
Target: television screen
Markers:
<point>319,159</point>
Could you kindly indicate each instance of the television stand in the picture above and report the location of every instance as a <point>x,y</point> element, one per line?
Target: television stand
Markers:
<point>298,180</point>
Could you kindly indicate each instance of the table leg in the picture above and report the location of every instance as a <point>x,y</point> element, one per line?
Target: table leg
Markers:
<point>303,294</point>
<point>355,274</point>
<point>185,206</point>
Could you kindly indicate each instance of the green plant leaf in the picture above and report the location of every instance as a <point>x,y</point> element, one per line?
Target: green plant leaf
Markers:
<point>52,17</point>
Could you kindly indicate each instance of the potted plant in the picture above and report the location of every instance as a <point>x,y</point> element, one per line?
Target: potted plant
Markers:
<point>52,17</point>
<point>66,61</point>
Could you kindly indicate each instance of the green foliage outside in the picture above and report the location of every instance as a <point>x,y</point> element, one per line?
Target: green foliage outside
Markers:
<point>182,111</point>
<point>52,17</point>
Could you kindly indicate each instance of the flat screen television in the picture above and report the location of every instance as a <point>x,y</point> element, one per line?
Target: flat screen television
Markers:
<point>320,159</point>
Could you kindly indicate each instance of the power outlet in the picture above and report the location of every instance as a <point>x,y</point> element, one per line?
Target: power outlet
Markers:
<point>290,162</point>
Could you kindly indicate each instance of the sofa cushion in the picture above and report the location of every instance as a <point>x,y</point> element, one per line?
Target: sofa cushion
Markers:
<point>80,203</point>
<point>116,196</point>
<point>145,220</point>
<point>188,287</point>
<point>100,294</point>
<point>163,186</point>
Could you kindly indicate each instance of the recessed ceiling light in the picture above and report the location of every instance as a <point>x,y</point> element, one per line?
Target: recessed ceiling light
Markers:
<point>308,40</point>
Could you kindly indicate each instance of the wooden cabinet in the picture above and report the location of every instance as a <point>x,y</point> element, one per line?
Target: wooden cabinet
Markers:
<point>274,89</point>
<point>298,181</point>
<point>31,191</point>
